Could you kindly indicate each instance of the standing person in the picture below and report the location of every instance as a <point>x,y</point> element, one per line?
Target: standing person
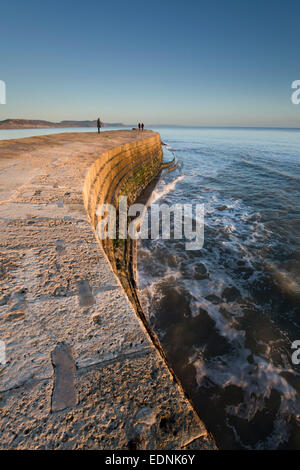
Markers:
<point>139,126</point>
<point>142,126</point>
<point>99,125</point>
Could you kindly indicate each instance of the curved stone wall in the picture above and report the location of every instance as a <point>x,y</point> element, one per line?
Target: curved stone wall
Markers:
<point>116,167</point>
<point>61,299</point>
<point>127,170</point>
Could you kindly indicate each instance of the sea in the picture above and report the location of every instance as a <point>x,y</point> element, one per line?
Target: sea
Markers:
<point>228,314</point>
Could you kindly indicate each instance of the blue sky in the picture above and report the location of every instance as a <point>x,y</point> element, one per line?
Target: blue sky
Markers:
<point>186,62</point>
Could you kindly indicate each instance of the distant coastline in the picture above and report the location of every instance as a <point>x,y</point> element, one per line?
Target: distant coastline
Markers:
<point>41,124</point>
<point>7,124</point>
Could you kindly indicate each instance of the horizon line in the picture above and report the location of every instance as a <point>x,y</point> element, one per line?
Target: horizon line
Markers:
<point>149,125</point>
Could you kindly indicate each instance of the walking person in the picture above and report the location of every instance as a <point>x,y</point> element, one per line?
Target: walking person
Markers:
<point>142,125</point>
<point>139,125</point>
<point>99,125</point>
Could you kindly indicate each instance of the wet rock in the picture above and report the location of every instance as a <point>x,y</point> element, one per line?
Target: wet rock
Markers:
<point>225,313</point>
<point>217,345</point>
<point>292,379</point>
<point>231,294</point>
<point>171,260</point>
<point>200,272</point>
<point>214,299</point>
<point>202,327</point>
<point>186,271</point>
<point>232,395</point>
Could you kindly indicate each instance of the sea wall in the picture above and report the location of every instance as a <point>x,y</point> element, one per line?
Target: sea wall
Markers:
<point>126,169</point>
<point>82,371</point>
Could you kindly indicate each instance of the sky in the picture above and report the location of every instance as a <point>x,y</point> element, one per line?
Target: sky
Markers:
<point>188,62</point>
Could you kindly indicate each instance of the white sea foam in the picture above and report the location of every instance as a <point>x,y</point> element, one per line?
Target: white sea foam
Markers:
<point>164,189</point>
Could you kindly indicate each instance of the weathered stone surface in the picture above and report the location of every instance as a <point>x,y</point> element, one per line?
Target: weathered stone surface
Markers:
<point>53,270</point>
<point>14,316</point>
<point>122,404</point>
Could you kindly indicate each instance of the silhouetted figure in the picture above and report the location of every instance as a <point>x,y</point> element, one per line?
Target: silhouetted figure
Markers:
<point>139,126</point>
<point>99,125</point>
<point>142,125</point>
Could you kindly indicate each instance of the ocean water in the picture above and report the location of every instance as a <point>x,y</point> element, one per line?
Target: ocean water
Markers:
<point>226,315</point>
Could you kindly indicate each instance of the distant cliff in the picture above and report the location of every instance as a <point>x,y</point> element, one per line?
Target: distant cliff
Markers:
<point>36,123</point>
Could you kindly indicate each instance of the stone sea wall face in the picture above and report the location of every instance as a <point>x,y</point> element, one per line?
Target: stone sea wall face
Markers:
<point>135,163</point>
<point>122,171</point>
